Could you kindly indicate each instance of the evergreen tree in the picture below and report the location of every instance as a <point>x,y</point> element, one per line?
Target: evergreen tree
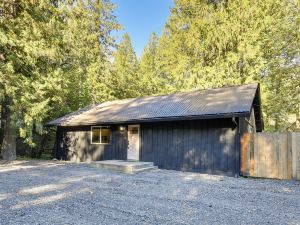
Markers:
<point>87,48</point>
<point>149,72</point>
<point>125,82</point>
<point>54,58</point>
<point>29,68</point>
<point>281,78</point>
<point>215,43</point>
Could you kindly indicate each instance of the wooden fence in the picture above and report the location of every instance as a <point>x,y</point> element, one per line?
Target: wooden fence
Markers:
<point>271,155</point>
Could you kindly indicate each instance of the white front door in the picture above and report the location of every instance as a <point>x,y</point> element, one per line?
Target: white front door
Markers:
<point>133,152</point>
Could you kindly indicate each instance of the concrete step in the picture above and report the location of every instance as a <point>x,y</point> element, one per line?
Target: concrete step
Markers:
<point>145,169</point>
<point>124,166</point>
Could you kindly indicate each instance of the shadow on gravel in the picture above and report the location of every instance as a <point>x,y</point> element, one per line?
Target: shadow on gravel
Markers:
<point>6,166</point>
<point>64,193</point>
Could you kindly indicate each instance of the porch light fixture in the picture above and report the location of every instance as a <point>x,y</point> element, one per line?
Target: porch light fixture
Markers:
<point>121,128</point>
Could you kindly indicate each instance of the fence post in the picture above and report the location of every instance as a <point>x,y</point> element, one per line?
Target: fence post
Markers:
<point>251,149</point>
<point>244,151</point>
<point>295,145</point>
<point>289,156</point>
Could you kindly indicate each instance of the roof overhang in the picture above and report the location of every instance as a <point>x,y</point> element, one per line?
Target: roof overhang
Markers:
<point>158,119</point>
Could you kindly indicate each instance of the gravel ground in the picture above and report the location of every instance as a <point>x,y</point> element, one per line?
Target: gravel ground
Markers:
<point>49,192</point>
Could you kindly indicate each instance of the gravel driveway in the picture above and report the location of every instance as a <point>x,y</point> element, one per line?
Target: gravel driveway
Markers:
<point>49,192</point>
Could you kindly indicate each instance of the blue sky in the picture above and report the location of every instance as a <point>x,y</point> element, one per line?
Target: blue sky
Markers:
<point>139,18</point>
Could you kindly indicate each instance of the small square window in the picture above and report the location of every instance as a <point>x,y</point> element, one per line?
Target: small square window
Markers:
<point>101,135</point>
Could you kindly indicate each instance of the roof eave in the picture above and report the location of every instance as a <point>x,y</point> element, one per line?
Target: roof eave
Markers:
<point>156,119</point>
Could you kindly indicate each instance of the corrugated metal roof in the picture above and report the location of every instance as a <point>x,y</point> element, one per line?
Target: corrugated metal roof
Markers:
<point>213,103</point>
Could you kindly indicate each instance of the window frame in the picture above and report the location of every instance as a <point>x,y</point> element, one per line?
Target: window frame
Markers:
<point>100,143</point>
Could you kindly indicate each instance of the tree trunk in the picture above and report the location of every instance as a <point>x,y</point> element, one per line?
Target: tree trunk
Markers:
<point>8,139</point>
<point>42,146</point>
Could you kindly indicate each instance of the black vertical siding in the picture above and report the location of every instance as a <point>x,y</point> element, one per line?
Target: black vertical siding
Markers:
<point>209,146</point>
<point>74,143</point>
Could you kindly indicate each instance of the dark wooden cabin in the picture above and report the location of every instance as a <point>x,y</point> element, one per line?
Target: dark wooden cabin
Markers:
<point>195,131</point>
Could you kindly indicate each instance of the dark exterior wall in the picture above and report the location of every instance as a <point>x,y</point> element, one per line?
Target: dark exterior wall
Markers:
<point>208,146</point>
<point>74,143</point>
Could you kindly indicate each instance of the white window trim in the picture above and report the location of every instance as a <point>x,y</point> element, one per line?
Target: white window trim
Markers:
<point>96,143</point>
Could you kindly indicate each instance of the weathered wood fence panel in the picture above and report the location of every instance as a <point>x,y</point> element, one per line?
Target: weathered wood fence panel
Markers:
<point>271,155</point>
<point>295,155</point>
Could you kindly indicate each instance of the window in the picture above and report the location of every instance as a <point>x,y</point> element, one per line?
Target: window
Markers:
<point>101,135</point>
<point>134,130</point>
